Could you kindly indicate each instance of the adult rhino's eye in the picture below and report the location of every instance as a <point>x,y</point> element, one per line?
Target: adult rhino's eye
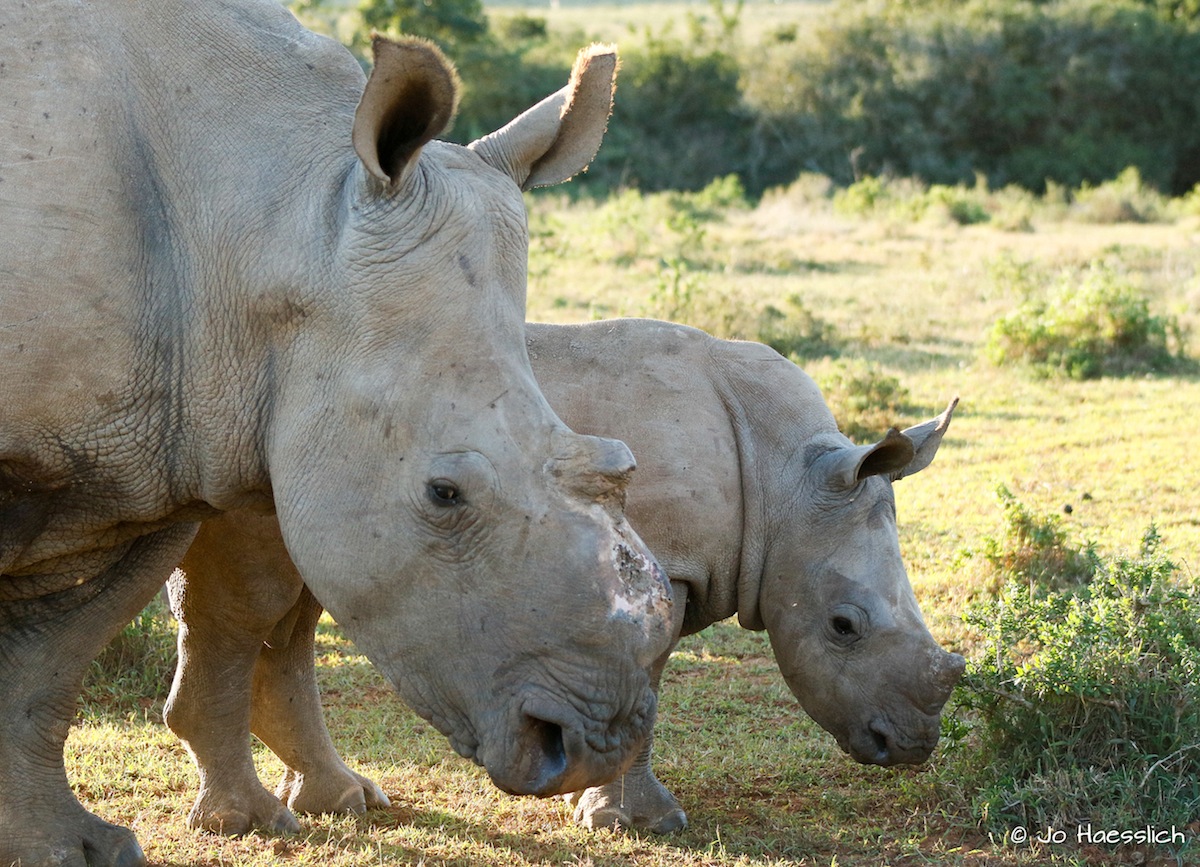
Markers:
<point>443,493</point>
<point>843,626</point>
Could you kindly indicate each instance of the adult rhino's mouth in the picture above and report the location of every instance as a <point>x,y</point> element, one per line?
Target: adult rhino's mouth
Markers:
<point>549,748</point>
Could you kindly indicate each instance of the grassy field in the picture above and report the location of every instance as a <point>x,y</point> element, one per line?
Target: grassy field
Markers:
<point>912,299</point>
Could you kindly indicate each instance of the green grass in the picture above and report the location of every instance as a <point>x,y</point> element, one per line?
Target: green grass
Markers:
<point>903,304</point>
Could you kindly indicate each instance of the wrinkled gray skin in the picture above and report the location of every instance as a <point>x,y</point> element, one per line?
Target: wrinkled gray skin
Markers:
<point>749,497</point>
<point>235,275</point>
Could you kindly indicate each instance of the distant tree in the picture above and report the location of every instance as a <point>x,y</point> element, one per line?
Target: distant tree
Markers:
<point>1179,10</point>
<point>447,22</point>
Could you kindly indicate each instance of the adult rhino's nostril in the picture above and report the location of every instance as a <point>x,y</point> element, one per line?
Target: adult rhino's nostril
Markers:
<point>546,754</point>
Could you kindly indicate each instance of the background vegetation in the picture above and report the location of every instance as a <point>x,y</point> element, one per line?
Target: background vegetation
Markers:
<point>1018,91</point>
<point>911,200</point>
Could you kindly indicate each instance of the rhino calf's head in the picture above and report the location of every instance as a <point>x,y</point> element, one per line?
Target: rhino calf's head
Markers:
<point>838,606</point>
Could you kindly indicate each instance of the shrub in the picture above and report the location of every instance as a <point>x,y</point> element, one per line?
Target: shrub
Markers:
<point>447,22</point>
<point>864,400</point>
<point>1189,204</point>
<point>956,204</point>
<point>678,122</point>
<point>1124,199</point>
<point>1094,325</point>
<point>907,200</point>
<point>1083,705</point>
<point>1007,274</point>
<point>1072,91</point>
<point>682,294</point>
<point>1035,549</point>
<point>793,330</point>
<point>522,27</point>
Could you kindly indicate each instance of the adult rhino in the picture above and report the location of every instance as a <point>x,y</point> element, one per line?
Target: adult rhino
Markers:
<point>234,274</point>
<point>749,497</point>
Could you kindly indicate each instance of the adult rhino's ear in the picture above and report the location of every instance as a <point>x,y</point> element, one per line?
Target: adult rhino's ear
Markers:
<point>558,137</point>
<point>409,100</point>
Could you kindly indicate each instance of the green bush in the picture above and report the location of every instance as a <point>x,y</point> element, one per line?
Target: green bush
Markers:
<point>450,23</point>
<point>906,200</point>
<point>864,400</point>
<point>1083,705</point>
<point>1124,199</point>
<point>1072,91</point>
<point>795,331</point>
<point>503,72</point>
<point>1035,549</point>
<point>1086,326</point>
<point>678,121</point>
<point>682,294</point>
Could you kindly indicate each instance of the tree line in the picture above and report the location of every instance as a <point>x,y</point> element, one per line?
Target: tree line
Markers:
<point>1014,91</point>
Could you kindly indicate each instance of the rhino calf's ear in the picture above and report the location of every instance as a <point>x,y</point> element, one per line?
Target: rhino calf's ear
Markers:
<point>845,467</point>
<point>926,438</point>
<point>410,99</point>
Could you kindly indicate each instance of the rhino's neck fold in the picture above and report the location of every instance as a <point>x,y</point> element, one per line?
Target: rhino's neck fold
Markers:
<point>751,558</point>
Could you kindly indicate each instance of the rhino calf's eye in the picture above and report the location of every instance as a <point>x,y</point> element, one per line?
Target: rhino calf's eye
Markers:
<point>842,626</point>
<point>443,493</point>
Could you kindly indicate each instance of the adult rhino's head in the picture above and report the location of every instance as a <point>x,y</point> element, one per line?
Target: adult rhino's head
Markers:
<point>472,545</point>
<point>837,603</point>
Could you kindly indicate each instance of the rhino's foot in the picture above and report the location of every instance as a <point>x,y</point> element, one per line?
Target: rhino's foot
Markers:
<point>234,815</point>
<point>647,806</point>
<point>338,791</point>
<point>92,842</point>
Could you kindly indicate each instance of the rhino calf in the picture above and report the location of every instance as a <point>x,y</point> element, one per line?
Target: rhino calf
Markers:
<point>749,497</point>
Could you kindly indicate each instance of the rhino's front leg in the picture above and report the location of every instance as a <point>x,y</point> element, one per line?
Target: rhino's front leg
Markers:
<point>238,583</point>
<point>46,643</point>
<point>637,799</point>
<point>287,718</point>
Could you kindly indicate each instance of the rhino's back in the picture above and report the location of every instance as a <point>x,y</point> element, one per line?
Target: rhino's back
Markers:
<point>650,384</point>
